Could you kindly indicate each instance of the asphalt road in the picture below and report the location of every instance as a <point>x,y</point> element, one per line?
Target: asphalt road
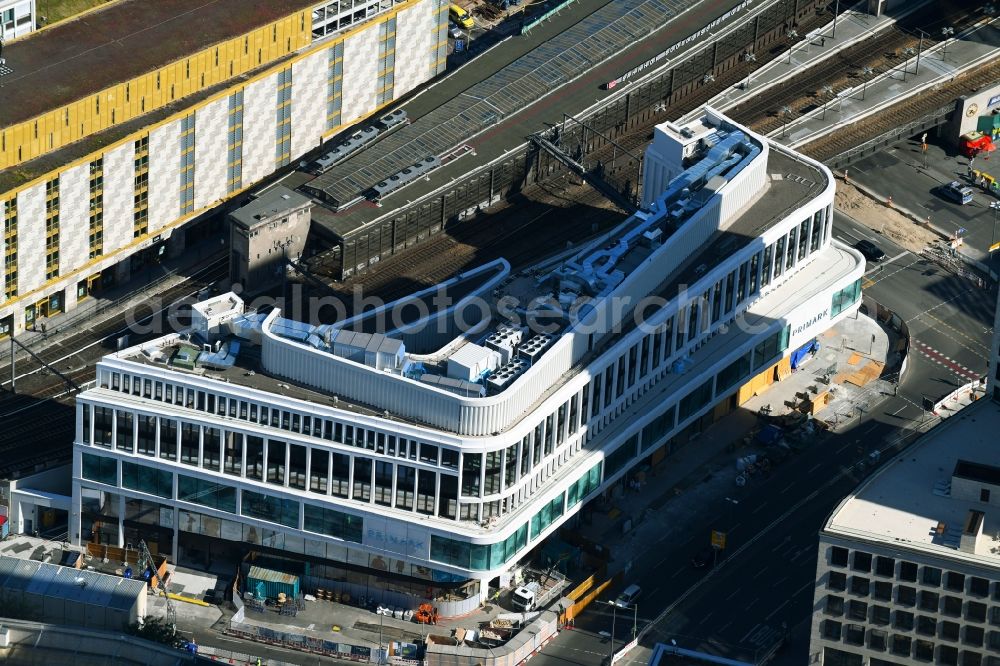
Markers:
<point>763,590</point>
<point>914,182</point>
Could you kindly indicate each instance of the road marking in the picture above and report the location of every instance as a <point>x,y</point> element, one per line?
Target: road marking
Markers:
<point>935,356</point>
<point>759,573</point>
<point>734,593</point>
<point>677,573</point>
<point>815,467</point>
<point>759,507</point>
<point>787,488</point>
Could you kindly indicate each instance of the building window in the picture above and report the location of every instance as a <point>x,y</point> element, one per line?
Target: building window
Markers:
<point>881,615</point>
<point>831,630</point>
<point>973,635</point>
<point>948,631</point>
<point>329,522</point>
<point>908,572</point>
<point>975,611</point>
<point>926,625</point>
<point>834,605</point>
<point>147,479</point>
<point>857,610</point>
<point>954,581</point>
<point>854,634</point>
<point>923,650</point>
<point>931,576</point>
<point>900,645</point>
<point>270,508</point>
<point>882,591</point>
<point>952,606</point>
<point>903,620</point>
<point>100,469</point>
<point>885,566</point>
<point>206,493</point>
<point>877,640</point>
<point>859,585</point>
<point>928,601</point>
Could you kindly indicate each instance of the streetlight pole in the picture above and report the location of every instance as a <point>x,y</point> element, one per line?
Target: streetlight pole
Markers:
<point>866,72</point>
<point>635,621</point>
<point>907,52</point>
<point>792,36</point>
<point>946,33</point>
<point>614,616</point>
<point>836,11</point>
<point>749,58</point>
<point>920,48</point>
<point>785,113</point>
<point>827,95</point>
<point>995,205</point>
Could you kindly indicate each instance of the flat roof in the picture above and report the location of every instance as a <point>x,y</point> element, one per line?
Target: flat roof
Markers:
<point>118,42</point>
<point>905,502</point>
<point>273,202</point>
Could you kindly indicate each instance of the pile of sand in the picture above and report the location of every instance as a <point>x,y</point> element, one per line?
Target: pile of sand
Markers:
<point>881,219</point>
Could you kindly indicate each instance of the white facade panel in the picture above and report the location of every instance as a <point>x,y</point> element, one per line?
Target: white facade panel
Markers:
<point>164,174</point>
<point>119,193</point>
<point>360,74</point>
<point>31,238</point>
<point>259,124</point>
<point>17,18</point>
<point>74,204</point>
<point>309,93</point>
<point>211,151</point>
<point>416,32</point>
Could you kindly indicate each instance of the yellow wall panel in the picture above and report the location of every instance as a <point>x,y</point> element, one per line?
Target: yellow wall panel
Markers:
<point>130,99</point>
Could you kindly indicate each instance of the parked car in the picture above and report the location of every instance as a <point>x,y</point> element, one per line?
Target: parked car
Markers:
<point>628,597</point>
<point>454,31</point>
<point>957,192</point>
<point>871,251</point>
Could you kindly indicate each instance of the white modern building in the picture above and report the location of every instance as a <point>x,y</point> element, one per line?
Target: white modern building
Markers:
<point>115,143</point>
<point>17,18</point>
<point>439,452</point>
<point>909,564</point>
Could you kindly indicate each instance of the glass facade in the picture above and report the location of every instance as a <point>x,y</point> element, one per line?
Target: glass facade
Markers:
<point>147,479</point>
<point>479,557</point>
<point>332,523</point>
<point>270,508</point>
<point>206,493</point>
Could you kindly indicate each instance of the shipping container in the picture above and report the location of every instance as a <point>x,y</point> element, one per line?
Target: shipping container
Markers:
<point>268,583</point>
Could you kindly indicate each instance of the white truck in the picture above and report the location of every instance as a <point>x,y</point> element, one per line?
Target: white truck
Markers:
<point>525,597</point>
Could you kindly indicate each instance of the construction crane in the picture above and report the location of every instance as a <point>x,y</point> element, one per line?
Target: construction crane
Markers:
<point>146,561</point>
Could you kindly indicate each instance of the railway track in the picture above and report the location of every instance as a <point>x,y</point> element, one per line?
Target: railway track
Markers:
<point>838,142</point>
<point>881,52</point>
<point>38,421</point>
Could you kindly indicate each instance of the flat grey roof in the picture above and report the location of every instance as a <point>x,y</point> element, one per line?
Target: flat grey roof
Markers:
<point>273,202</point>
<point>903,504</point>
<point>118,42</point>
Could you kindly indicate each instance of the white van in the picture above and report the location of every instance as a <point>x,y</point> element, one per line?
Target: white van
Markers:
<point>628,597</point>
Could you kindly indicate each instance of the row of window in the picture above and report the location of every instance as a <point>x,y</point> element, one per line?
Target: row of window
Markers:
<point>905,646</point>
<point>888,567</point>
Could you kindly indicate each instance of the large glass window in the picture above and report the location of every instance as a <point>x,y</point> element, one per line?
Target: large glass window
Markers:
<point>319,470</point>
<point>845,298</point>
<point>448,496</point>
<point>168,439</point>
<point>146,438</point>
<point>276,461</point>
<point>622,456</point>
<point>493,459</point>
<point>426,482</point>
<point>471,465</point>
<point>255,457</point>
<point>271,508</point>
<point>190,436</point>
<point>585,485</point>
<point>656,429</point>
<point>547,515</point>
<point>212,445</point>
<point>147,479</point>
<point>232,462</point>
<point>297,466</point>
<point>340,474</point>
<point>733,373</point>
<point>206,493</point>
<point>332,523</point>
<point>362,480</point>
<point>124,437</point>
<point>100,469</point>
<point>103,417</point>
<point>383,483</point>
<point>406,479</point>
<point>695,400</point>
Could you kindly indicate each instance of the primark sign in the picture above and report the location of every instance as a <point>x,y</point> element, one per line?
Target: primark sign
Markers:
<point>810,322</point>
<point>684,42</point>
